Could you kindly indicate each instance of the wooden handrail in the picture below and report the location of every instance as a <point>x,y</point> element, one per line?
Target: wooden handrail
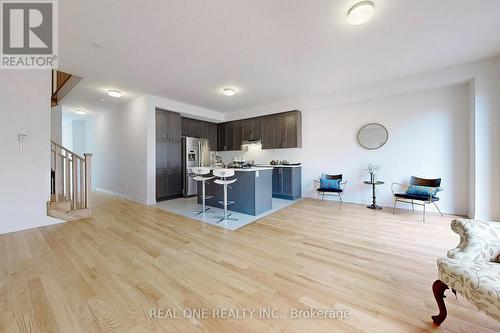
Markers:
<point>67,150</point>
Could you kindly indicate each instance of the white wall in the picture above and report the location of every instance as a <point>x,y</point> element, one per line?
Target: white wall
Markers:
<point>487,141</point>
<point>428,137</point>
<point>484,124</point>
<point>67,131</point>
<point>80,137</point>
<point>25,176</point>
<point>56,123</point>
<point>120,152</point>
<point>77,131</point>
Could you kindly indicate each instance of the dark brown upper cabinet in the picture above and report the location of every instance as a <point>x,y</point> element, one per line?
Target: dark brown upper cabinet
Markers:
<point>278,130</point>
<point>252,129</point>
<point>293,130</point>
<point>185,126</point>
<point>161,125</point>
<point>212,137</point>
<point>222,137</point>
<point>238,134</point>
<point>247,129</point>
<point>195,128</point>
<point>287,130</point>
<point>256,129</point>
<point>168,125</point>
<point>267,132</point>
<point>201,129</point>
<point>230,136</point>
<point>174,126</point>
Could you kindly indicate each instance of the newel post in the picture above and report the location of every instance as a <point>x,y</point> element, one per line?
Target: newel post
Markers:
<point>88,178</point>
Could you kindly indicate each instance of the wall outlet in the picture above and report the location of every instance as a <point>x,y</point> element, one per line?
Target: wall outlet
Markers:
<point>21,148</point>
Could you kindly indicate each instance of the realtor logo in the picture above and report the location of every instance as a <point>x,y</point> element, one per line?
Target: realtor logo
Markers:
<point>29,34</point>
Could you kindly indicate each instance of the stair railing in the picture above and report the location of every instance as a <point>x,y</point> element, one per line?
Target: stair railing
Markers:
<point>71,176</point>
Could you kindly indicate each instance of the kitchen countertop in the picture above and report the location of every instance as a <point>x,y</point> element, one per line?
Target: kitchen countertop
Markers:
<point>260,168</point>
<point>278,166</point>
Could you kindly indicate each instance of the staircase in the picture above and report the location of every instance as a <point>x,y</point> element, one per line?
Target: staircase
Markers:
<point>70,184</point>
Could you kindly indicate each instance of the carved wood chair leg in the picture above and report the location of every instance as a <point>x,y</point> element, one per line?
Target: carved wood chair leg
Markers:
<point>438,288</point>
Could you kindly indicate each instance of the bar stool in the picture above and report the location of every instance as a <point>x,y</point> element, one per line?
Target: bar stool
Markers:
<point>199,173</point>
<point>223,174</point>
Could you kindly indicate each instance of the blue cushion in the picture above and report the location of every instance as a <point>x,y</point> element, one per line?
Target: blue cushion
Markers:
<point>332,190</point>
<point>329,184</point>
<point>416,197</point>
<point>422,190</point>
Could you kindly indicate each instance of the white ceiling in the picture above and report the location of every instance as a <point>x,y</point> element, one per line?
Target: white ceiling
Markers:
<point>188,50</point>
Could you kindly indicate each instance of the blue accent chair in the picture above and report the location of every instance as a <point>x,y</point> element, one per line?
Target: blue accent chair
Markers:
<point>413,197</point>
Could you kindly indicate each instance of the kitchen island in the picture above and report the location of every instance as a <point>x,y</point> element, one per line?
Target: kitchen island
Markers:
<point>252,192</point>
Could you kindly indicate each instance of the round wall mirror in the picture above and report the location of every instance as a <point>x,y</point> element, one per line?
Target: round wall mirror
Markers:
<point>373,136</point>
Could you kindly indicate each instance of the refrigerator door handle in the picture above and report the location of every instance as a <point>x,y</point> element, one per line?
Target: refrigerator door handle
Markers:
<point>200,153</point>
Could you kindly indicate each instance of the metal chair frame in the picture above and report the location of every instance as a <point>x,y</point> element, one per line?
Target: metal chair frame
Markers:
<point>221,173</point>
<point>413,202</point>
<point>198,173</point>
<point>317,184</point>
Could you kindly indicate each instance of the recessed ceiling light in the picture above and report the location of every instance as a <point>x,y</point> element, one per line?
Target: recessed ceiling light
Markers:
<point>361,12</point>
<point>100,99</point>
<point>229,91</point>
<point>114,93</point>
<point>80,112</point>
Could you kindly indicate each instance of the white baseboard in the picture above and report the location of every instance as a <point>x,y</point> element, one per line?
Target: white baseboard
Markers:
<point>46,222</point>
<point>121,195</point>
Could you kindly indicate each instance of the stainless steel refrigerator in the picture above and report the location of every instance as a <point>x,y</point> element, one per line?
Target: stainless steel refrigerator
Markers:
<point>195,152</point>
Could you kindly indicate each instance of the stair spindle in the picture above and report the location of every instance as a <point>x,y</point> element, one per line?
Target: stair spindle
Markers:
<point>74,183</point>
<point>67,182</point>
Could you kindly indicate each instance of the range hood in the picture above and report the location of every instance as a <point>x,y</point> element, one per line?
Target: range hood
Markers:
<point>251,143</point>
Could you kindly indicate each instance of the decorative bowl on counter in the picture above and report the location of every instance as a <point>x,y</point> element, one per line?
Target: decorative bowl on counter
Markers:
<point>284,162</point>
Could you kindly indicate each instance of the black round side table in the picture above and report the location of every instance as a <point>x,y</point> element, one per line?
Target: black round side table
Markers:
<point>374,195</point>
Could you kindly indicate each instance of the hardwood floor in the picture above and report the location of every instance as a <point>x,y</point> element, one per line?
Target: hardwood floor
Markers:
<point>107,273</point>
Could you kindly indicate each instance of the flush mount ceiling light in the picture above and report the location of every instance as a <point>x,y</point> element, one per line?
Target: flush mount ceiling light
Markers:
<point>361,12</point>
<point>114,93</point>
<point>80,112</point>
<point>229,91</point>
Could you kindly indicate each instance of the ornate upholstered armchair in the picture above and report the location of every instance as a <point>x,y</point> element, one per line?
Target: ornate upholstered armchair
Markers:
<point>401,193</point>
<point>330,190</point>
<point>472,269</point>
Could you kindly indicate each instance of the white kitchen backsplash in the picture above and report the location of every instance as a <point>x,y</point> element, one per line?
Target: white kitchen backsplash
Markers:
<point>263,156</point>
